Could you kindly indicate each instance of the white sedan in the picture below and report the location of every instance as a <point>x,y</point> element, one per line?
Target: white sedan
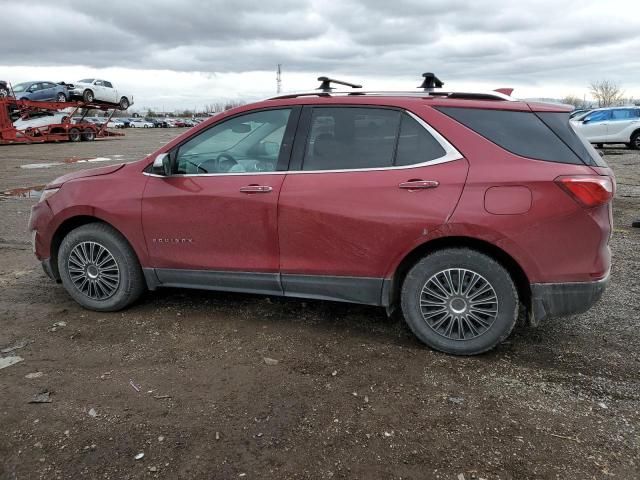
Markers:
<point>94,89</point>
<point>40,119</point>
<point>140,123</point>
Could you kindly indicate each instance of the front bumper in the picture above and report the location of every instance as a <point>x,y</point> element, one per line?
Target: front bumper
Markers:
<point>552,300</point>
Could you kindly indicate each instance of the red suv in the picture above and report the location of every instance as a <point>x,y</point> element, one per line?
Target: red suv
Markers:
<point>466,210</point>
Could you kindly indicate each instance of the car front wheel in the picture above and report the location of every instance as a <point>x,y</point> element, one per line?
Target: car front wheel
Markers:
<point>460,301</point>
<point>99,269</point>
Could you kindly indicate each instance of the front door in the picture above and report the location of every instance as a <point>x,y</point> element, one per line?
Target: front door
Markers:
<point>371,184</point>
<point>213,223</point>
<point>595,126</point>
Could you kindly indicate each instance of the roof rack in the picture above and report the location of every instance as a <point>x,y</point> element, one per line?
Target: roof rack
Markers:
<point>477,95</point>
<point>325,86</point>
<point>431,87</point>
<point>430,82</point>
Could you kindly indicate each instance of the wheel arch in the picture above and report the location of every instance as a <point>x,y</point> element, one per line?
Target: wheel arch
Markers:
<point>517,273</point>
<point>67,226</point>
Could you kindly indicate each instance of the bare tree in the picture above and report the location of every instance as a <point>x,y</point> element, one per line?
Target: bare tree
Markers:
<point>573,100</point>
<point>606,92</point>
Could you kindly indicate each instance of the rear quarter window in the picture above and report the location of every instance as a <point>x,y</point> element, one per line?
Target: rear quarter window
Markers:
<point>521,133</point>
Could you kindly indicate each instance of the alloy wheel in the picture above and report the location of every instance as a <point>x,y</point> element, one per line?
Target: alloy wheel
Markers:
<point>458,304</point>
<point>93,270</point>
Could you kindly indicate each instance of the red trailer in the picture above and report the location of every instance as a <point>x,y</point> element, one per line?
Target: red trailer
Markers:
<point>65,131</point>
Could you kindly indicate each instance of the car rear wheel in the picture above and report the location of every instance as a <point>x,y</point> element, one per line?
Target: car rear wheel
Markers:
<point>124,103</point>
<point>460,301</point>
<point>87,96</point>
<point>4,92</point>
<point>74,135</point>
<point>635,141</point>
<point>99,269</point>
<point>61,97</point>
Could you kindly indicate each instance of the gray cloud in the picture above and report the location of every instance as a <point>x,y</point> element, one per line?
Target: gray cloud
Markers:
<point>491,40</point>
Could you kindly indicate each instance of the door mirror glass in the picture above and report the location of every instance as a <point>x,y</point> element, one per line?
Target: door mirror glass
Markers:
<point>162,165</point>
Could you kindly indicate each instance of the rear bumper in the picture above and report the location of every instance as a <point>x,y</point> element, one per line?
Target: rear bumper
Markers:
<point>552,300</point>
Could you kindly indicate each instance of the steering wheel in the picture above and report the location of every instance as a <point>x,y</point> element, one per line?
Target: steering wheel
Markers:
<point>225,160</point>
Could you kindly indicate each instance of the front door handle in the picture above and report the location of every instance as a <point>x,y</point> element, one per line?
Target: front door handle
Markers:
<point>256,189</point>
<point>418,184</point>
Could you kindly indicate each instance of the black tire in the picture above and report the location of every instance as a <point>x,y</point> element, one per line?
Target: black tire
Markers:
<point>88,135</point>
<point>4,92</point>
<point>88,96</point>
<point>74,135</point>
<point>61,97</point>
<point>130,281</point>
<point>124,103</point>
<point>635,141</point>
<point>423,312</point>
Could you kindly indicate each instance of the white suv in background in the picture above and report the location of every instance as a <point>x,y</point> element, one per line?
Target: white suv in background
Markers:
<point>611,125</point>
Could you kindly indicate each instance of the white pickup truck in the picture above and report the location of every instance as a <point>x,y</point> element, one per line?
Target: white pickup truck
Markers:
<point>97,90</point>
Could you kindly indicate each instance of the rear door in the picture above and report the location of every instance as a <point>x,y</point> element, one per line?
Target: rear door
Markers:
<point>622,119</point>
<point>366,185</point>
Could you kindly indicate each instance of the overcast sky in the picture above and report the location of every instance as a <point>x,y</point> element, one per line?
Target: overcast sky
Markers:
<point>187,53</point>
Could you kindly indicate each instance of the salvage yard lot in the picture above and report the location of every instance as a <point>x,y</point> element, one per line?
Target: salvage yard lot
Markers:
<point>182,377</point>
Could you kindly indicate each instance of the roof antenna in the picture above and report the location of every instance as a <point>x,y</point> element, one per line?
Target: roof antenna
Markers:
<point>326,87</point>
<point>430,82</point>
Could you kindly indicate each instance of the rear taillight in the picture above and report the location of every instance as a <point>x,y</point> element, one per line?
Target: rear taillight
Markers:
<point>588,190</point>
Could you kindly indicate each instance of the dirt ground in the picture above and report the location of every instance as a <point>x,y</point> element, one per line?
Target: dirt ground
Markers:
<point>353,394</point>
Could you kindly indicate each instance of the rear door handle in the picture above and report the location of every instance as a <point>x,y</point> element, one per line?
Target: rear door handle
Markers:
<point>418,184</point>
<point>256,189</point>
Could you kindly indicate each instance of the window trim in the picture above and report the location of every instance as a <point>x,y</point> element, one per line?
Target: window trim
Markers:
<point>451,153</point>
<point>301,126</point>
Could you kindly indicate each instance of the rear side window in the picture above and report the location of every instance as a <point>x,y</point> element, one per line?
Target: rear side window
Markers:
<point>521,133</point>
<point>560,124</point>
<point>350,137</point>
<point>416,144</point>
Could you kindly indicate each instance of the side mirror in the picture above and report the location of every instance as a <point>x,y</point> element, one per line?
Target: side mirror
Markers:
<point>586,120</point>
<point>162,165</point>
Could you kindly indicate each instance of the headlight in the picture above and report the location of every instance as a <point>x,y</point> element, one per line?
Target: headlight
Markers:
<point>47,193</point>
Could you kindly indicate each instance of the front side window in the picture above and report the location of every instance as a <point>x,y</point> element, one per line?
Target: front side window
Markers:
<point>342,138</point>
<point>246,143</point>
<point>599,116</point>
<point>107,84</point>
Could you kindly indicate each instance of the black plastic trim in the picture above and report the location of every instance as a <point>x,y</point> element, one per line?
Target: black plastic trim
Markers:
<point>250,282</point>
<point>343,289</point>
<point>365,290</point>
<point>552,300</point>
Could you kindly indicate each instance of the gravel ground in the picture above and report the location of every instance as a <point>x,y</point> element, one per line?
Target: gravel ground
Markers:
<point>347,393</point>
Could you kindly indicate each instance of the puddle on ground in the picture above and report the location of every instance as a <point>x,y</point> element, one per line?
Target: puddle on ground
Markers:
<point>24,192</point>
<point>30,166</point>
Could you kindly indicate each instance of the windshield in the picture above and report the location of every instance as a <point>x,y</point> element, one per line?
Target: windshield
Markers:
<point>86,80</point>
<point>21,87</point>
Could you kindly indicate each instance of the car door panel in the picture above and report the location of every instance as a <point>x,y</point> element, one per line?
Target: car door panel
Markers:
<point>358,223</point>
<point>207,223</point>
<point>219,230</point>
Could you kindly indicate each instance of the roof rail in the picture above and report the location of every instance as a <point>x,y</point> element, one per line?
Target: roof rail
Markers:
<point>478,95</point>
<point>325,86</point>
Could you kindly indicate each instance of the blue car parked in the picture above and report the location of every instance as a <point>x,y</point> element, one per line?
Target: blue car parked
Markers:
<point>45,91</point>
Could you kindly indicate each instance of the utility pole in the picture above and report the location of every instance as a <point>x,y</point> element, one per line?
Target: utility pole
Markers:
<point>279,79</point>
